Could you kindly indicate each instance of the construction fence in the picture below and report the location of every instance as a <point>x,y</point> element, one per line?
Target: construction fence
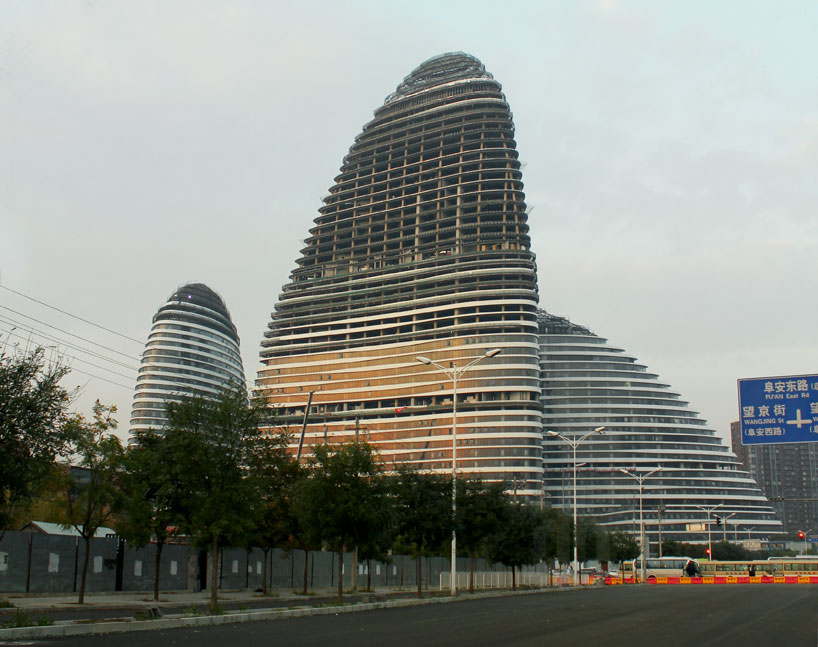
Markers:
<point>40,563</point>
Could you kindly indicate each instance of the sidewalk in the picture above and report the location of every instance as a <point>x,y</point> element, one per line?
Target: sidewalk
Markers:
<point>60,615</point>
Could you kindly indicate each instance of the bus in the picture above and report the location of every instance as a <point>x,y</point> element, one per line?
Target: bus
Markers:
<point>740,568</point>
<point>655,567</point>
<point>774,567</point>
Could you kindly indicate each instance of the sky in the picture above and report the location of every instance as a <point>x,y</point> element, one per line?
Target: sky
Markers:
<point>669,150</point>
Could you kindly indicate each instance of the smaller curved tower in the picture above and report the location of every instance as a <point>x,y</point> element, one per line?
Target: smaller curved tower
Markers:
<point>587,383</point>
<point>192,349</point>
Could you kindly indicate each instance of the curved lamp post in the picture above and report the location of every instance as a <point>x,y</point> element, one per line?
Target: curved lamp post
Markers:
<point>453,374</point>
<point>574,444</point>
<point>641,480</point>
<point>709,511</point>
<point>724,525</point>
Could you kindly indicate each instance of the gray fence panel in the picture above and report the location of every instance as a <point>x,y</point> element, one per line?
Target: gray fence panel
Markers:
<point>53,564</point>
<point>138,568</point>
<point>233,568</point>
<point>101,564</point>
<point>255,569</point>
<point>14,562</point>
<point>280,569</point>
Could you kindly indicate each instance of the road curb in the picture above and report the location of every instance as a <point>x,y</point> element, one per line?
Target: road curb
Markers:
<point>123,625</point>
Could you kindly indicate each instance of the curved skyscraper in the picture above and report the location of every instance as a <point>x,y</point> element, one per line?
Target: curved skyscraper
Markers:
<point>588,383</point>
<point>420,249</point>
<point>192,349</point>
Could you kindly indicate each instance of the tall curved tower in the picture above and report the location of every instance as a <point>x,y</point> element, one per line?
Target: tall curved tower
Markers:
<point>420,249</point>
<point>192,349</point>
<point>588,383</point>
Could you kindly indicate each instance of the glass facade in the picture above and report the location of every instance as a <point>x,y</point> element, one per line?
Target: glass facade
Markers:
<point>588,383</point>
<point>420,249</point>
<point>192,349</point>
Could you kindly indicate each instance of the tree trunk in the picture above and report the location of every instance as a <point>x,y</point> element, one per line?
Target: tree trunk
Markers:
<point>264,588</point>
<point>340,572</point>
<point>353,571</point>
<point>306,562</point>
<point>157,569</point>
<point>369,575</point>
<point>471,573</point>
<point>420,575</point>
<point>513,578</point>
<point>84,577</point>
<point>214,571</point>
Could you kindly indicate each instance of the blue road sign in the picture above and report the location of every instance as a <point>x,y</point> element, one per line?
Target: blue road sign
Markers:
<point>778,409</point>
<point>812,540</point>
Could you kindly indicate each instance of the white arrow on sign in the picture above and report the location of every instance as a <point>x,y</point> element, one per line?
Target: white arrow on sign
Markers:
<point>799,421</point>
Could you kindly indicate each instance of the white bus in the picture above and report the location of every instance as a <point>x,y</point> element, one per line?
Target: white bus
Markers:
<point>656,567</point>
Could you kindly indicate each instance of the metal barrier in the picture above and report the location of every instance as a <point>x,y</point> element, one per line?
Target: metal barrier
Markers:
<point>503,579</point>
<point>738,579</point>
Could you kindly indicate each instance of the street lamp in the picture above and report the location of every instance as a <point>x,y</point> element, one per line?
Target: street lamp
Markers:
<point>574,444</point>
<point>735,530</point>
<point>709,511</point>
<point>641,481</point>
<point>748,532</point>
<point>724,525</point>
<point>453,374</point>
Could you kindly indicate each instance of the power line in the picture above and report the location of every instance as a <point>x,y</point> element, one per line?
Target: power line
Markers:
<point>43,323</point>
<point>47,305</point>
<point>10,333</point>
<point>92,353</point>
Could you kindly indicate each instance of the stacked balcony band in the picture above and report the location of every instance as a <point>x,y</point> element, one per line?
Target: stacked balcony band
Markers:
<point>589,383</point>
<point>420,249</point>
<point>192,349</point>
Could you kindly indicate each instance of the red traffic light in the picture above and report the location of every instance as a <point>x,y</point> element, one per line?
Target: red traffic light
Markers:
<point>707,550</point>
<point>800,534</point>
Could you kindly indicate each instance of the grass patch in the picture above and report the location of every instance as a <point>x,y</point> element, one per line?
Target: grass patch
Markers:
<point>5,604</point>
<point>22,619</point>
<point>191,611</point>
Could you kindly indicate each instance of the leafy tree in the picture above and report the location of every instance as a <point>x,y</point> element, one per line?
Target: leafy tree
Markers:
<point>211,442</point>
<point>90,493</point>
<point>423,513</point>
<point>725,551</point>
<point>151,502</point>
<point>479,510</point>
<point>33,429</point>
<point>681,549</point>
<point>520,540</point>
<point>274,474</point>
<point>559,535</point>
<point>622,546</point>
<point>588,539</point>
<point>376,547</point>
<point>343,500</point>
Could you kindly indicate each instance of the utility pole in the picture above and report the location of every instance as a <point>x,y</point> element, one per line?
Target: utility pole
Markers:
<point>659,512</point>
<point>353,579</point>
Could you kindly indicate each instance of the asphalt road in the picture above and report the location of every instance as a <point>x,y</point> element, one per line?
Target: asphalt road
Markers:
<point>667,616</point>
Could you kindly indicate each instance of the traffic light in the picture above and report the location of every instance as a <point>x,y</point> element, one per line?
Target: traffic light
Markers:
<point>718,519</point>
<point>800,534</point>
<point>707,550</point>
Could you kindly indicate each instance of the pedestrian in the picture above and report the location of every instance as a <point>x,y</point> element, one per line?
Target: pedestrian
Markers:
<point>752,570</point>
